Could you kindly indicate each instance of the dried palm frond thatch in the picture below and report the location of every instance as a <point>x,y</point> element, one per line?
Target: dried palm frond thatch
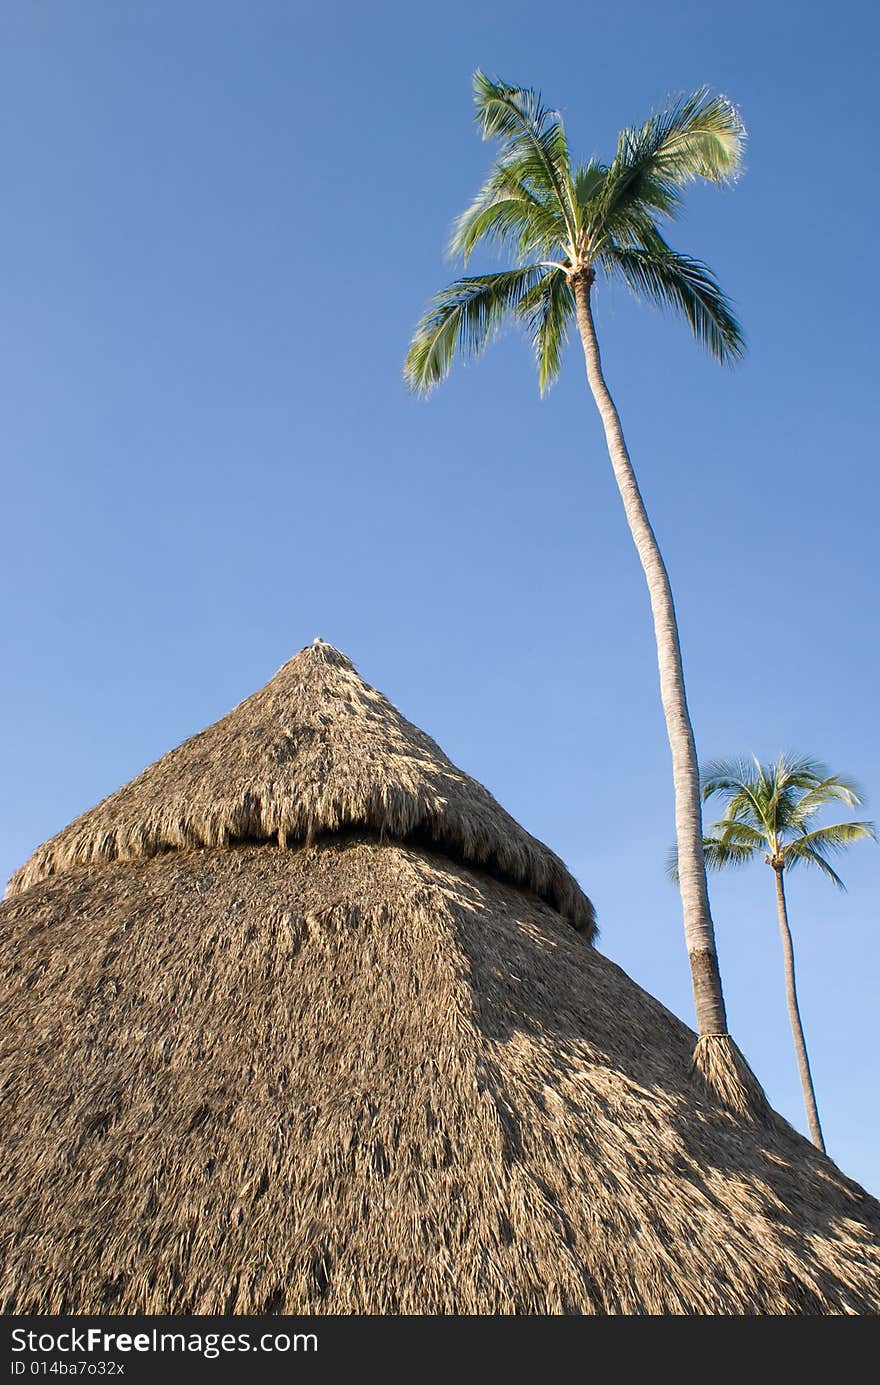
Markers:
<point>316,750</point>
<point>364,1076</point>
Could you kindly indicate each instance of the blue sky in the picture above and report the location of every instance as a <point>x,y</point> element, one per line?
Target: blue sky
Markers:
<point>219,224</point>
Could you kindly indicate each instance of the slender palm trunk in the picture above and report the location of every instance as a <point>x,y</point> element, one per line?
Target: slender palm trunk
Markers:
<point>699,933</point>
<point>794,1016</point>
<point>726,1071</point>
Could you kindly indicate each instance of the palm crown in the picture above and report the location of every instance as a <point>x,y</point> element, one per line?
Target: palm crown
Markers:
<point>769,809</point>
<point>558,221</point>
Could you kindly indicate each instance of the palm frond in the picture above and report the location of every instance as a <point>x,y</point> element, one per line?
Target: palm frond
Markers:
<point>723,776</point>
<point>507,211</point>
<point>833,788</point>
<point>628,202</point>
<point>700,135</point>
<point>672,280</point>
<point>744,784</point>
<point>631,227</point>
<point>531,136</point>
<point>834,838</point>
<point>809,857</point>
<point>733,830</point>
<point>724,855</point>
<point>798,771</point>
<point>547,310</point>
<point>717,854</point>
<point>797,786</point>
<point>587,180</point>
<point>586,186</point>
<point>735,778</point>
<point>696,136</point>
<point>463,317</point>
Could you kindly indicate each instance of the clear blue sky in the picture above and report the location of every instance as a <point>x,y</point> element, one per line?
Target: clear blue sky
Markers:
<point>219,224</point>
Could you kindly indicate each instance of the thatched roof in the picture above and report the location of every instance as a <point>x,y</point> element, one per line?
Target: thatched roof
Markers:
<point>316,750</point>
<point>361,1076</point>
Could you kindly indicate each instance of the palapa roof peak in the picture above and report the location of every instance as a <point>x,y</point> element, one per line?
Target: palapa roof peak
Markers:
<point>315,751</point>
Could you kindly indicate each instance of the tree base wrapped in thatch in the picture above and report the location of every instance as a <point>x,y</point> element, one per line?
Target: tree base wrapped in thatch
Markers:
<point>362,1078</point>
<point>718,1063</point>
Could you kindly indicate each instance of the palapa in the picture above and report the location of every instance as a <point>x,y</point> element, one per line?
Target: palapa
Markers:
<point>302,1021</point>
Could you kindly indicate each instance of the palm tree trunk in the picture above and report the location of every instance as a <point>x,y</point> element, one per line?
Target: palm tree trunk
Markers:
<point>715,1056</point>
<point>794,1016</point>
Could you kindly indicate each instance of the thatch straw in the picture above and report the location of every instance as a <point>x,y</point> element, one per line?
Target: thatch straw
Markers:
<point>245,1071</point>
<point>362,1078</point>
<point>317,750</point>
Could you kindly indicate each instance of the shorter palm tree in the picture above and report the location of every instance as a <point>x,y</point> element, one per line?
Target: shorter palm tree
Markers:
<point>769,809</point>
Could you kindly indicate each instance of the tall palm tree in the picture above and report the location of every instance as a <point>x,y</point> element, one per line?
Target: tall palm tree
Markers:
<point>768,812</point>
<point>563,224</point>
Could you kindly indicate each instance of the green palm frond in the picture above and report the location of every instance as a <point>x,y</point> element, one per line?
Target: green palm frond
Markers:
<point>723,776</point>
<point>723,854</point>
<point>532,137</point>
<point>548,309</point>
<point>780,796</point>
<point>732,777</point>
<point>669,279</point>
<point>835,838</point>
<point>735,778</point>
<point>734,830</point>
<point>586,187</point>
<point>587,180</point>
<point>795,771</point>
<point>700,135</point>
<point>507,211</point>
<point>631,227</point>
<point>629,192</point>
<point>464,317</point>
<point>696,136</point>
<point>671,864</point>
<point>810,857</point>
<point>830,789</point>
<point>719,853</point>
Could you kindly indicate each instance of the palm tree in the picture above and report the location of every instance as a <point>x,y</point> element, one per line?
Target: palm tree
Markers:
<point>562,225</point>
<point>768,811</point>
